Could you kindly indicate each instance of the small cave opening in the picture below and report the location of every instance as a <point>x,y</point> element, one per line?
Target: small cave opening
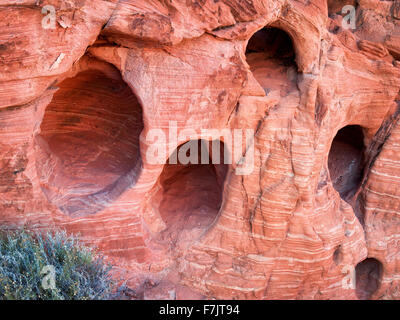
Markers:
<point>191,192</point>
<point>88,146</point>
<point>346,161</point>
<point>271,56</point>
<point>340,12</point>
<point>368,278</point>
<point>337,255</point>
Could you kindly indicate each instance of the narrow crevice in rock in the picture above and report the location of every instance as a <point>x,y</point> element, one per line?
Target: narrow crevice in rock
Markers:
<point>88,147</point>
<point>191,194</point>
<point>368,278</point>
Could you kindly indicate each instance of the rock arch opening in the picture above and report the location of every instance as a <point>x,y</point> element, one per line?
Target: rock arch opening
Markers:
<point>368,278</point>
<point>346,160</point>
<point>191,194</point>
<point>271,56</point>
<point>88,146</point>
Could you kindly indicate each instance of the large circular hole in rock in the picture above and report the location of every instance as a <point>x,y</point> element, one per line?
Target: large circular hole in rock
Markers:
<point>88,148</point>
<point>271,56</point>
<point>368,278</point>
<point>191,193</point>
<point>346,160</point>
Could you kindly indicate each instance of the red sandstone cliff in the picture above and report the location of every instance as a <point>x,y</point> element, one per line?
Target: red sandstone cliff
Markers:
<point>78,101</point>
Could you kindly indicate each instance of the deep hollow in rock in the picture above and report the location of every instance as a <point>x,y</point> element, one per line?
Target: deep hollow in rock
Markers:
<point>271,56</point>
<point>368,278</point>
<point>88,147</point>
<point>191,194</point>
<point>346,160</point>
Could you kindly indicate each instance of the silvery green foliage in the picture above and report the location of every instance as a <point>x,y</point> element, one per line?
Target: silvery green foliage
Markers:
<point>79,273</point>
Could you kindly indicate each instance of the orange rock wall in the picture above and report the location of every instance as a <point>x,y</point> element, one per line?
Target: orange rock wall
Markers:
<point>77,103</point>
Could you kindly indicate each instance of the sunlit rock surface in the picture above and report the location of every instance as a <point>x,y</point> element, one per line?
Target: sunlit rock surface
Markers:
<point>318,217</point>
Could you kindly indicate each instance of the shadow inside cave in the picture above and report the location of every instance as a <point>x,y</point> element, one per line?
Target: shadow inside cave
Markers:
<point>368,278</point>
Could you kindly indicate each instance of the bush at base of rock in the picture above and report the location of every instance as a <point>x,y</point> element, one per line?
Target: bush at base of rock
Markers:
<point>50,266</point>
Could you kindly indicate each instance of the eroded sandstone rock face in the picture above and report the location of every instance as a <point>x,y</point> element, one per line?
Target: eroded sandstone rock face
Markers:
<point>84,84</point>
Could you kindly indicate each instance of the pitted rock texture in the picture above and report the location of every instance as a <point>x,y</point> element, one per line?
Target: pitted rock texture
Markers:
<point>318,217</point>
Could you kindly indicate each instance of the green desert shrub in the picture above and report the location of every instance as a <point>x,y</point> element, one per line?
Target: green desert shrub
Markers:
<point>28,260</point>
